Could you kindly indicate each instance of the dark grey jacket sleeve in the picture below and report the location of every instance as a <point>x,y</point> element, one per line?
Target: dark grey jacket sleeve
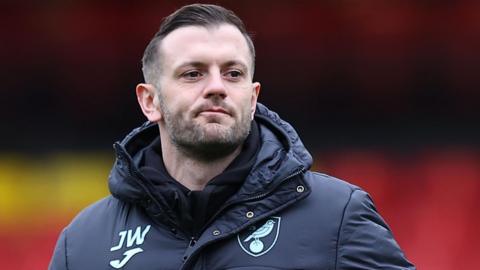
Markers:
<point>365,240</point>
<point>59,258</point>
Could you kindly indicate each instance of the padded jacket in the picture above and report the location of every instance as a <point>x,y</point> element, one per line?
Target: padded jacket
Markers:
<point>283,217</point>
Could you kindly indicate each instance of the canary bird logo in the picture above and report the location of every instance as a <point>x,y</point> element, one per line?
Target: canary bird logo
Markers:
<point>258,241</point>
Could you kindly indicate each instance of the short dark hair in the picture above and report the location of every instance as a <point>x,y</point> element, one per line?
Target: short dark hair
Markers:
<point>190,15</point>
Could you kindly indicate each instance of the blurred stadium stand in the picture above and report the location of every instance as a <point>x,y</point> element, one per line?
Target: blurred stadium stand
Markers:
<point>384,93</point>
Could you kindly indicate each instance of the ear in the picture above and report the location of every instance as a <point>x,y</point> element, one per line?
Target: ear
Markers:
<point>148,100</point>
<point>255,93</point>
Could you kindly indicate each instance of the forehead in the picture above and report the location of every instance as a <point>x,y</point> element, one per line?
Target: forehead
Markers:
<point>198,43</point>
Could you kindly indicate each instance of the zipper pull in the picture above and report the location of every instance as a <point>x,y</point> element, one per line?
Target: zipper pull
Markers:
<point>193,241</point>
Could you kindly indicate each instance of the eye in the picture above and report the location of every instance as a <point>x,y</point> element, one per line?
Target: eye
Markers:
<point>234,74</point>
<point>192,75</point>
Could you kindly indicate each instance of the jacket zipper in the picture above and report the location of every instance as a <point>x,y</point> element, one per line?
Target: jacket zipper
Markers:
<point>255,197</point>
<point>291,176</point>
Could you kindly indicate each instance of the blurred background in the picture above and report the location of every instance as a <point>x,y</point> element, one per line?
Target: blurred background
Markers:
<point>385,94</point>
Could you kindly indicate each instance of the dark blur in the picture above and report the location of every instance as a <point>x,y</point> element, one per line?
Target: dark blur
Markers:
<point>383,93</point>
<point>345,73</point>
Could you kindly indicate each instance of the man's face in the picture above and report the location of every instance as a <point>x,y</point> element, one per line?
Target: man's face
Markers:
<point>207,98</point>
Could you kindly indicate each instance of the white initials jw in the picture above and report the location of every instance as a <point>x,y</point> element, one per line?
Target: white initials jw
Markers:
<point>136,237</point>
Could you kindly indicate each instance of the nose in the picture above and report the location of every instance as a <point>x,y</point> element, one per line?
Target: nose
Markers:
<point>215,86</point>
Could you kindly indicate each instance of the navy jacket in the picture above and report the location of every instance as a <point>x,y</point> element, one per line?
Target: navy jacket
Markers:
<point>283,217</point>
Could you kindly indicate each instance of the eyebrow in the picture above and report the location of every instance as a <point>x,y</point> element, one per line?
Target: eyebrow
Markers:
<point>235,63</point>
<point>199,64</point>
<point>191,64</point>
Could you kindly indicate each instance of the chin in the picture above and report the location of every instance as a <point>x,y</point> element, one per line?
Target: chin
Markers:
<point>216,127</point>
<point>216,132</point>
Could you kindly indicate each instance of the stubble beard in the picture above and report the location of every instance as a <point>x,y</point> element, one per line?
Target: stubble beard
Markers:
<point>207,142</point>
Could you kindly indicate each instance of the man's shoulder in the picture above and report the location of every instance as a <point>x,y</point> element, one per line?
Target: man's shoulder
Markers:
<point>328,191</point>
<point>324,183</point>
<point>96,215</point>
<point>99,208</point>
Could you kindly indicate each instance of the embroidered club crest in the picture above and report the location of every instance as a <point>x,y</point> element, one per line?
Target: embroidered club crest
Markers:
<point>258,240</point>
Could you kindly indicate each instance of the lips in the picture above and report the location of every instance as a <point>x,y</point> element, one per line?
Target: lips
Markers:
<point>214,109</point>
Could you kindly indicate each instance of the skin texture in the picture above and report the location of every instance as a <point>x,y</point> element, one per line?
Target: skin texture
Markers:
<point>204,101</point>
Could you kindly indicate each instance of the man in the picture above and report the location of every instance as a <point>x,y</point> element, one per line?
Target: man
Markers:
<point>215,180</point>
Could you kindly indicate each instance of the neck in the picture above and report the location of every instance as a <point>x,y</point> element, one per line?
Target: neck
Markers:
<point>192,173</point>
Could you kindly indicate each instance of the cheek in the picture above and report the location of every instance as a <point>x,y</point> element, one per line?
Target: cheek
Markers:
<point>177,101</point>
<point>248,99</point>
<point>244,104</point>
<point>177,95</point>
<point>242,94</point>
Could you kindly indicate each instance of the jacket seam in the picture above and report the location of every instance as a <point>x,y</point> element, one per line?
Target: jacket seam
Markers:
<point>341,226</point>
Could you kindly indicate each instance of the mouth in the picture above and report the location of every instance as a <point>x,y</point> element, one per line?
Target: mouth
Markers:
<point>214,110</point>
